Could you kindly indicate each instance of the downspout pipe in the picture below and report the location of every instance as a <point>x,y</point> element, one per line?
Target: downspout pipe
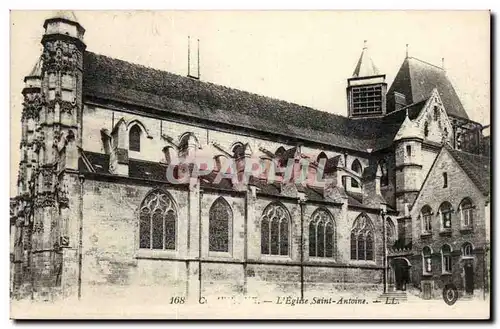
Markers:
<point>81,178</point>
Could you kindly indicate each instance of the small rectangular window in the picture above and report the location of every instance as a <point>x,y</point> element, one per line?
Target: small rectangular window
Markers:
<point>445,180</point>
<point>408,150</point>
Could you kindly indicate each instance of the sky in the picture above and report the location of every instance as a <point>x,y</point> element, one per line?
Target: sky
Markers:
<point>303,57</point>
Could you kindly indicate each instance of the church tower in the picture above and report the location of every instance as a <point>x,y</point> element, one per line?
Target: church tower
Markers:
<point>51,121</point>
<point>366,89</point>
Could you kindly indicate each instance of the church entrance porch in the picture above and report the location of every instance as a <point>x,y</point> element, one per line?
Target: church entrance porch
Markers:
<point>399,274</point>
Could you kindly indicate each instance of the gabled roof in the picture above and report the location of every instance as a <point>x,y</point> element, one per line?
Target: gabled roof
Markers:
<point>365,66</point>
<point>116,80</point>
<point>416,79</point>
<point>477,167</point>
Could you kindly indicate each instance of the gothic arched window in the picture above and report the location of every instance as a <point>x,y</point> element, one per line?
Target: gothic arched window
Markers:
<point>467,213</point>
<point>445,211</point>
<point>426,215</point>
<point>467,249</point>
<point>357,168</point>
<point>134,138</point>
<point>427,260</point>
<point>219,226</point>
<point>322,234</point>
<point>362,243</point>
<point>274,230</point>
<point>446,258</point>
<point>158,219</point>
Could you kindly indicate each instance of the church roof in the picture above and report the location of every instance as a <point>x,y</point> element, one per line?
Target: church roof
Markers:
<point>166,93</point>
<point>477,167</point>
<point>365,66</point>
<point>416,79</point>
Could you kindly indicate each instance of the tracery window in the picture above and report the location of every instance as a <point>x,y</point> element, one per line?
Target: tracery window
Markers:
<point>158,219</point>
<point>134,139</point>
<point>322,234</point>
<point>220,222</point>
<point>362,239</point>
<point>275,230</point>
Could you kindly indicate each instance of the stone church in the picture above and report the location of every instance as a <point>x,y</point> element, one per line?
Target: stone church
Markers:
<point>400,199</point>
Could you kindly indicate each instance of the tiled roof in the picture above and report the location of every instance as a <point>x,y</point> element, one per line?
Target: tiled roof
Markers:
<point>116,80</point>
<point>416,79</point>
<point>477,167</point>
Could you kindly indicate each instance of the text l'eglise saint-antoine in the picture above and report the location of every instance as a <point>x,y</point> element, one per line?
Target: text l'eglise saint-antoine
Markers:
<point>319,300</point>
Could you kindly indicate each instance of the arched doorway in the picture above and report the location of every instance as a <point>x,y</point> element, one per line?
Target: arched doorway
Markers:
<point>401,273</point>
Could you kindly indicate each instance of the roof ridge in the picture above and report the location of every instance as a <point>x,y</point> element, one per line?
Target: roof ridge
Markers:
<point>425,62</point>
<point>469,153</point>
<point>407,106</point>
<point>217,85</point>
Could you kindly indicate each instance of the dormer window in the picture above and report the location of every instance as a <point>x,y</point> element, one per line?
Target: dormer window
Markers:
<point>134,139</point>
<point>426,129</point>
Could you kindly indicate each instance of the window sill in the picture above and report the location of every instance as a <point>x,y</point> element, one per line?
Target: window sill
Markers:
<point>424,235</point>
<point>220,254</point>
<point>151,253</point>
<point>446,274</point>
<point>427,274</point>
<point>316,259</point>
<point>284,258</point>
<point>465,230</point>
<point>446,232</point>
<point>362,262</point>
<point>467,257</point>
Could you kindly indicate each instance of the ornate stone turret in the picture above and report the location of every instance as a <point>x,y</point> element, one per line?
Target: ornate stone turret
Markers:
<point>408,142</point>
<point>50,133</point>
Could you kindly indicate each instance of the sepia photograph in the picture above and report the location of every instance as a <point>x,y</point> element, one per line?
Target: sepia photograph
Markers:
<point>250,164</point>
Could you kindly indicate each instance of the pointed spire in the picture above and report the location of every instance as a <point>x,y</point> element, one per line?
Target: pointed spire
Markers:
<point>365,66</point>
<point>36,71</point>
<point>407,50</point>
<point>408,129</point>
<point>33,79</point>
<point>442,64</point>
